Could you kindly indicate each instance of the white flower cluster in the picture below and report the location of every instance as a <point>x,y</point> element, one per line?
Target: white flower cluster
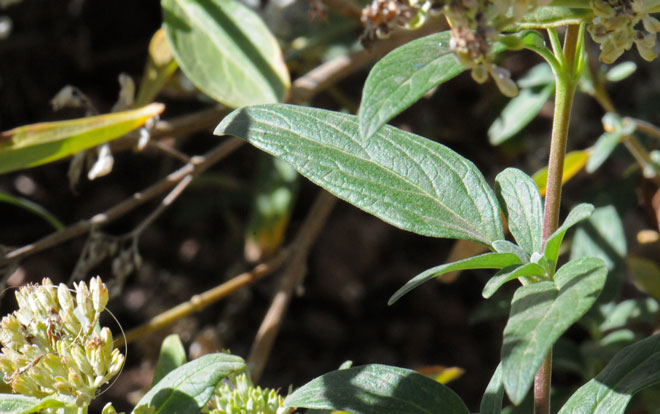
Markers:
<point>51,345</point>
<point>241,397</point>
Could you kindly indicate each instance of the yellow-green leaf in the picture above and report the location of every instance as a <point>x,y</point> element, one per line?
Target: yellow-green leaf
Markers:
<point>36,144</point>
<point>160,67</point>
<point>573,163</point>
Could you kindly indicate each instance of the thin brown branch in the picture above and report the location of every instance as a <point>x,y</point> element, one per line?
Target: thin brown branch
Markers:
<point>199,302</point>
<point>292,276</point>
<point>196,166</point>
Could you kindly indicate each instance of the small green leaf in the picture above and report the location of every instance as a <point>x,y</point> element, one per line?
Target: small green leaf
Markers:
<point>553,16</point>
<point>226,50</point>
<point>403,76</point>
<point>507,274</point>
<point>538,76</point>
<point>484,261</point>
<point>406,180</point>
<point>616,131</point>
<point>620,71</point>
<point>519,112</point>
<point>540,314</point>
<point>172,356</point>
<point>522,207</point>
<point>32,145</point>
<point>577,214</point>
<point>22,404</point>
<point>631,370</point>
<point>627,312</point>
<point>32,207</point>
<point>491,402</point>
<point>645,274</point>
<point>377,389</point>
<point>505,246</point>
<point>187,389</point>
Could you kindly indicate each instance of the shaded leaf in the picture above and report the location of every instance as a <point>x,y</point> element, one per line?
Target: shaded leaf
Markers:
<point>631,370</point>
<point>552,245</point>
<point>377,389</point>
<point>461,249</point>
<point>540,314</point>
<point>539,76</point>
<point>491,402</point>
<point>172,355</point>
<point>508,274</point>
<point>484,261</point>
<point>522,207</point>
<point>37,144</point>
<point>403,76</point>
<point>406,180</point>
<point>187,389</point>
<point>627,312</point>
<point>32,207</point>
<point>519,112</point>
<point>226,50</point>
<point>573,163</point>
<point>645,274</point>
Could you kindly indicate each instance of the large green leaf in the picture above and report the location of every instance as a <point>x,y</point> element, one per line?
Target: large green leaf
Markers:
<point>172,355</point>
<point>406,180</point>
<point>519,112</point>
<point>187,389</point>
<point>484,261</point>
<point>403,76</point>
<point>491,402</point>
<point>37,144</point>
<point>226,50</point>
<point>22,404</point>
<point>540,314</point>
<point>377,389</point>
<point>523,208</point>
<point>631,370</point>
<point>577,214</point>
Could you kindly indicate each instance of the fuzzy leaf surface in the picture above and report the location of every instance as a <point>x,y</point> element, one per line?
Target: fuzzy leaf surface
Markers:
<point>483,261</point>
<point>22,404</point>
<point>506,275</point>
<point>377,389</point>
<point>172,355</point>
<point>406,180</point>
<point>187,389</point>
<point>540,314</point>
<point>226,50</point>
<point>519,112</point>
<point>522,207</point>
<point>403,76</point>
<point>577,214</point>
<point>491,402</point>
<point>631,370</point>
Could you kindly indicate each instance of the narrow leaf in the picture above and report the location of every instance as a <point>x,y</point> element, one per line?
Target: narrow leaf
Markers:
<point>620,71</point>
<point>577,214</point>
<point>631,370</point>
<point>161,65</point>
<point>226,50</point>
<point>484,261</point>
<point>403,76</point>
<point>37,144</point>
<point>491,402</point>
<point>505,246</point>
<point>377,389</point>
<point>553,16</point>
<point>187,389</point>
<point>406,180</point>
<point>573,163</point>
<point>522,207</point>
<point>172,355</point>
<point>540,314</point>
<point>32,207</point>
<point>519,112</point>
<point>505,275</point>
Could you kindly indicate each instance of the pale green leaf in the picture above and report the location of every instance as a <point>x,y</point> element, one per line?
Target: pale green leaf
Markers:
<point>32,207</point>
<point>627,312</point>
<point>508,274</point>
<point>540,314</point>
<point>377,389</point>
<point>37,144</point>
<point>226,50</point>
<point>406,180</point>
<point>484,261</point>
<point>172,355</point>
<point>505,246</point>
<point>577,214</point>
<point>491,402</point>
<point>22,404</point>
<point>631,370</point>
<point>187,389</point>
<point>539,76</point>
<point>519,112</point>
<point>403,76</point>
<point>522,207</point>
<point>620,71</point>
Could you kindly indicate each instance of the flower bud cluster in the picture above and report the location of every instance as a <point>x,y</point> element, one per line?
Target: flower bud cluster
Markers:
<point>381,17</point>
<point>241,397</point>
<point>51,345</point>
<point>615,28</point>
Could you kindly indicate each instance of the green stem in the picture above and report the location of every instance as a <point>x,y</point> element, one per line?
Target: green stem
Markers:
<point>566,81</point>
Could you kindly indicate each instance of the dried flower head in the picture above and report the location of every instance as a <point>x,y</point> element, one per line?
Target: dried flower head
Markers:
<point>241,397</point>
<point>381,17</point>
<point>52,345</point>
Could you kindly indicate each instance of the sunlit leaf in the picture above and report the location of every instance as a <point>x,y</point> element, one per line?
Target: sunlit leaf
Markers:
<point>573,163</point>
<point>519,112</point>
<point>553,243</point>
<point>37,144</point>
<point>506,275</point>
<point>491,402</point>
<point>620,71</point>
<point>406,180</point>
<point>22,404</point>
<point>226,50</point>
<point>160,67</point>
<point>377,389</point>
<point>172,355</point>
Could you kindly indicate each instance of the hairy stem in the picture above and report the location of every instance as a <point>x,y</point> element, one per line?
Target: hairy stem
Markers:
<point>566,84</point>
